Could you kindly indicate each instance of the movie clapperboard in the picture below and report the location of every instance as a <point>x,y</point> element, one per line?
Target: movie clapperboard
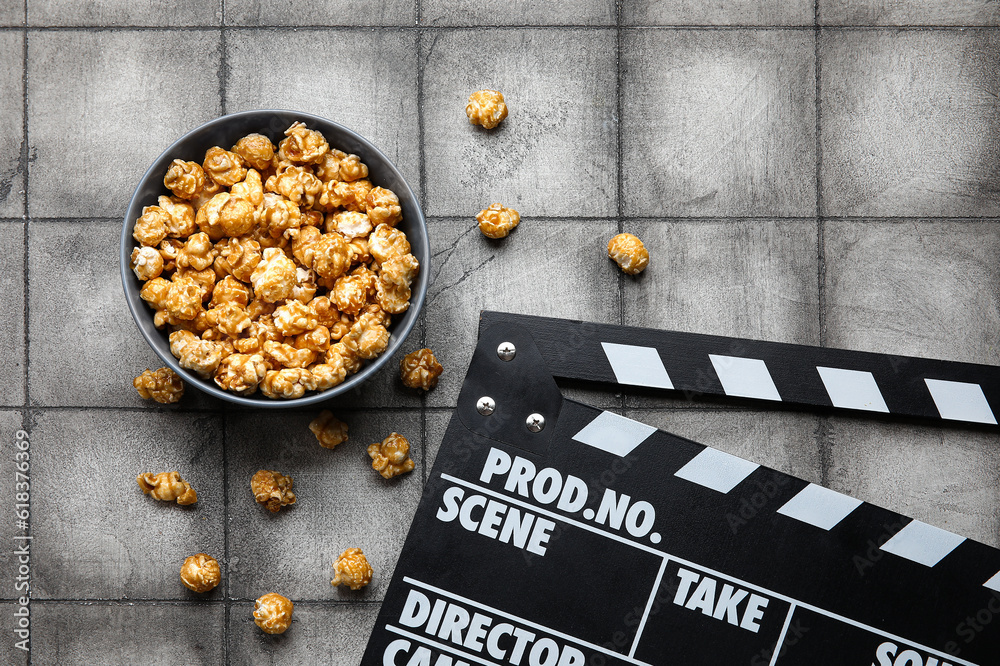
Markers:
<point>551,533</point>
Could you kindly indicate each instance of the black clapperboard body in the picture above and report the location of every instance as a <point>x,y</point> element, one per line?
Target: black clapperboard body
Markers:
<point>600,540</point>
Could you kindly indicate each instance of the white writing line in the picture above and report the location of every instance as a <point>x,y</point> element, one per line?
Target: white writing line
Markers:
<point>784,632</point>
<point>649,605</point>
<point>704,569</point>
<point>521,620</point>
<point>439,646</point>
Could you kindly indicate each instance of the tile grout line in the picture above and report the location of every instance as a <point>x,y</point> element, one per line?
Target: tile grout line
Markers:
<point>552,27</point>
<point>422,180</point>
<point>26,415</point>
<point>223,62</point>
<point>620,205</point>
<point>823,422</point>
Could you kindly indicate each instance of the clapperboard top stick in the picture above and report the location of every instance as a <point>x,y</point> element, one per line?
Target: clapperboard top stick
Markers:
<point>551,533</point>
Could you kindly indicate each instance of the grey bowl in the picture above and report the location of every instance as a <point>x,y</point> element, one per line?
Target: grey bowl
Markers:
<point>225,131</point>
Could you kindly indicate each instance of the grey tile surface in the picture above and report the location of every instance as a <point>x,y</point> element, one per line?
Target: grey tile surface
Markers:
<point>718,123</point>
<point>90,142</point>
<point>517,12</point>
<point>12,314</point>
<point>787,442</point>
<point>948,478</point>
<point>337,74</point>
<point>722,12</point>
<point>11,123</point>
<point>320,12</point>
<point>910,123</point>
<point>550,268</point>
<point>154,634</point>
<point>124,12</point>
<point>341,503</point>
<point>12,14</point>
<point>10,424</point>
<point>914,288</point>
<point>555,154</point>
<point>86,350</point>
<point>15,655</point>
<point>320,634</point>
<point>96,535</point>
<point>908,12</point>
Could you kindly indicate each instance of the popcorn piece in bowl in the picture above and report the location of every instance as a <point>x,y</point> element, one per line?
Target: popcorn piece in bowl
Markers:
<point>184,179</point>
<point>151,228</point>
<point>497,221</point>
<point>392,456</point>
<point>163,385</point>
<point>352,569</point>
<point>273,613</point>
<point>629,253</point>
<point>486,108</point>
<point>181,217</point>
<point>167,487</point>
<point>147,262</point>
<point>349,224</point>
<point>294,317</point>
<point>420,370</point>
<point>241,373</point>
<point>256,150</point>
<point>302,145</point>
<point>287,383</point>
<point>201,573</point>
<point>195,354</point>
<point>274,277</point>
<point>368,337</point>
<point>383,207</point>
<point>272,489</point>
<point>224,167</point>
<point>329,430</point>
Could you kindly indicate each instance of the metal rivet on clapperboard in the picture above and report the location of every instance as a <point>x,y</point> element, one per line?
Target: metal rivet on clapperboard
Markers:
<point>486,405</point>
<point>506,351</point>
<point>535,422</point>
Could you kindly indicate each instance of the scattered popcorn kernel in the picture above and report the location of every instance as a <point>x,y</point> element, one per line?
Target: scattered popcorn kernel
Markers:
<point>294,317</point>
<point>497,221</point>
<point>287,383</point>
<point>387,242</point>
<point>163,385</point>
<point>303,145</point>
<point>420,370</point>
<point>274,277</point>
<point>184,179</point>
<point>392,456</point>
<point>383,207</point>
<point>167,487</point>
<point>200,573</point>
<point>329,430</point>
<point>352,168</point>
<point>349,224</point>
<point>241,373</point>
<point>193,353</point>
<point>147,263</point>
<point>272,489</point>
<point>224,167</point>
<point>486,108</point>
<point>352,569</point>
<point>297,184</point>
<point>256,150</point>
<point>181,217</point>
<point>629,253</point>
<point>273,613</point>
<point>151,227</point>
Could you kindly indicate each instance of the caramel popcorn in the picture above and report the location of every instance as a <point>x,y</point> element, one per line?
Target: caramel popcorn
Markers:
<point>224,167</point>
<point>201,573</point>
<point>274,268</point>
<point>163,385</point>
<point>272,489</point>
<point>352,569</point>
<point>420,370</point>
<point>200,356</point>
<point>241,373</point>
<point>303,145</point>
<point>147,263</point>
<point>383,207</point>
<point>629,253</point>
<point>151,227</point>
<point>287,383</point>
<point>273,613</point>
<point>497,221</point>
<point>274,277</point>
<point>486,108</point>
<point>256,150</point>
<point>349,224</point>
<point>392,456</point>
<point>167,487</point>
<point>180,216</point>
<point>329,430</point>
<point>184,179</point>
